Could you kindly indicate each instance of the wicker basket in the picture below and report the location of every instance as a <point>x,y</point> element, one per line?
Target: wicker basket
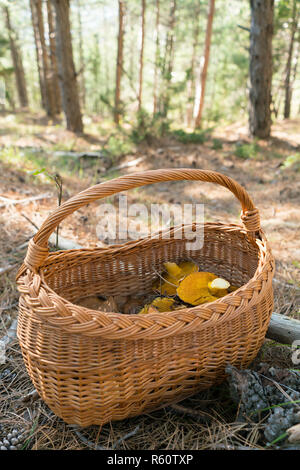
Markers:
<point>93,367</point>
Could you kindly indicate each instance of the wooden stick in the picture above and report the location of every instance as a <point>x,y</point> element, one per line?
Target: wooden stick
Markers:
<point>126,165</point>
<point>63,243</point>
<point>283,329</point>
<point>8,201</point>
<point>7,268</point>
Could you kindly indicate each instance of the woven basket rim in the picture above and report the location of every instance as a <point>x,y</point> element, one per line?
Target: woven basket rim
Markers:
<point>93,322</point>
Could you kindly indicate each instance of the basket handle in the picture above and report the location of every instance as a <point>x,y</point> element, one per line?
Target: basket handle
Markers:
<point>38,246</point>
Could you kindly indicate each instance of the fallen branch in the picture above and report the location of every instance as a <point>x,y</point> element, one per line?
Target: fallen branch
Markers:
<point>283,329</point>
<point>63,243</point>
<point>79,154</point>
<point>7,268</point>
<point>126,165</point>
<point>8,201</point>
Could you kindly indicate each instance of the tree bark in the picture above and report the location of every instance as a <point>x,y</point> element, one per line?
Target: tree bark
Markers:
<point>17,62</point>
<point>119,69</point>
<point>287,82</point>
<point>261,32</point>
<point>191,78</point>
<point>157,57</point>
<point>47,75</point>
<point>39,53</point>
<point>54,69</point>
<point>81,56</point>
<point>206,61</point>
<point>142,56</point>
<point>168,62</point>
<point>66,68</point>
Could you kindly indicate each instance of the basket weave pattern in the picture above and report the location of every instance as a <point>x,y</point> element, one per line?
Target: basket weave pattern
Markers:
<point>92,367</point>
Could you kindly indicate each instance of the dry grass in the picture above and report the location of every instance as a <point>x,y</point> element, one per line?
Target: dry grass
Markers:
<point>208,420</point>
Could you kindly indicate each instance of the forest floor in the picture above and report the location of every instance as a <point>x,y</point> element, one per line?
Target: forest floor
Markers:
<point>269,171</point>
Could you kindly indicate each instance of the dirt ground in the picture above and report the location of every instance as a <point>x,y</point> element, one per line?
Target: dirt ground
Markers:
<point>30,143</point>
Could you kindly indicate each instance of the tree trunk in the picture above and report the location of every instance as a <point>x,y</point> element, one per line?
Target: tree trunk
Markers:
<point>81,56</point>
<point>117,111</point>
<point>168,63</point>
<point>157,57</point>
<point>39,53</point>
<point>47,74</point>
<point>17,62</point>
<point>261,67</point>
<point>142,56</point>
<point>191,77</point>
<point>205,64</point>
<point>54,69</point>
<point>287,82</point>
<point>66,69</point>
<point>9,92</point>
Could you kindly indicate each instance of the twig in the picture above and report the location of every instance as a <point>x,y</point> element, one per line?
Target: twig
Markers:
<point>201,416</point>
<point>126,165</point>
<point>61,243</point>
<point>285,284</point>
<point>165,280</point>
<point>8,268</point>
<point>29,220</point>
<point>31,396</point>
<point>79,155</point>
<point>95,446</point>
<point>8,201</point>
<point>243,27</point>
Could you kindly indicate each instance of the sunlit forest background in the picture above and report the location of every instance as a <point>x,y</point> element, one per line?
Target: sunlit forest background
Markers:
<point>172,35</point>
<point>92,90</point>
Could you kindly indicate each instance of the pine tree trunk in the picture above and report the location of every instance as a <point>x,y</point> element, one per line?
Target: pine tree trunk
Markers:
<point>168,62</point>
<point>287,82</point>
<point>261,33</point>
<point>54,69</point>
<point>47,74</point>
<point>206,61</point>
<point>191,79</point>
<point>119,70</point>
<point>66,68</point>
<point>142,56</point>
<point>39,53</point>
<point>81,56</point>
<point>17,62</point>
<point>157,57</point>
